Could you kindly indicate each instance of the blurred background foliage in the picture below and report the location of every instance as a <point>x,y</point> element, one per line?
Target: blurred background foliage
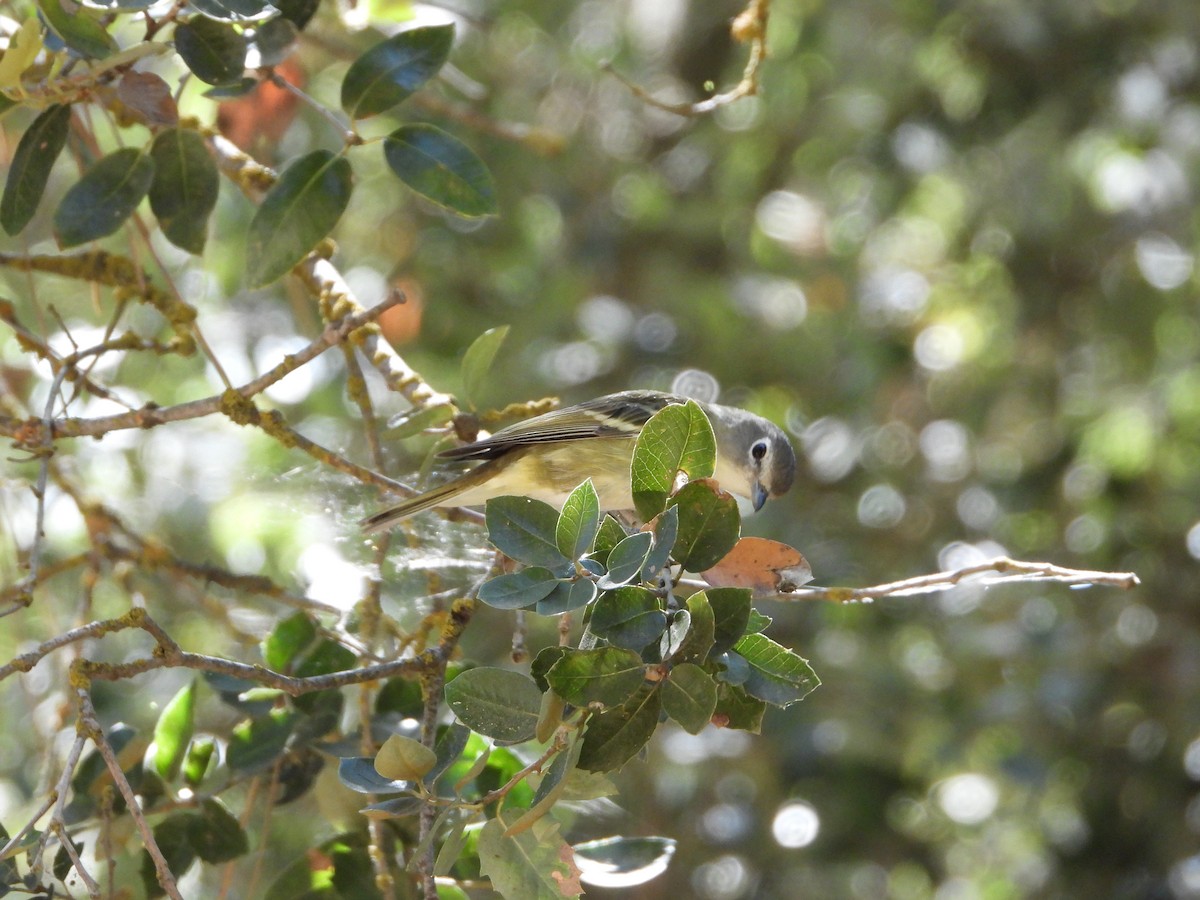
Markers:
<point>950,246</point>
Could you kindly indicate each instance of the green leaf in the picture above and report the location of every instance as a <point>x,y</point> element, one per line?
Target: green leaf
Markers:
<point>736,709</point>
<point>216,835</point>
<point>525,530</point>
<point>234,10</point>
<point>401,696</point>
<point>534,864</point>
<point>288,639</point>
<point>614,736</point>
<point>359,774</point>
<point>497,703</point>
<point>78,29</point>
<point>338,869</point>
<point>544,662</point>
<point>777,675</point>
<point>757,622</point>
<point>255,744</point>
<point>629,617</point>
<point>196,762</point>
<point>607,675</point>
<point>173,731</point>
<point>627,861</point>
<point>679,624</point>
<point>678,438</point>
<point>477,361</point>
<point>214,51</point>
<point>666,531</point>
<point>578,522</point>
<point>568,596</point>
<point>731,612</point>
<point>104,197</point>
<point>709,524</point>
<point>689,696</point>
<point>296,214</point>
<point>39,147</point>
<point>442,169</point>
<point>610,534</point>
<point>519,590</point>
<point>626,560</point>
<point>174,838</point>
<point>392,70</point>
<point>404,759</point>
<point>451,742</point>
<point>184,190</point>
<point>701,634</point>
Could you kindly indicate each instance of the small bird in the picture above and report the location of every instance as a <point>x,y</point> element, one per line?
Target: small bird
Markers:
<point>549,455</point>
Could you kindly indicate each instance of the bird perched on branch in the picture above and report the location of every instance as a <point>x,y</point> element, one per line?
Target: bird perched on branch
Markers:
<point>547,456</point>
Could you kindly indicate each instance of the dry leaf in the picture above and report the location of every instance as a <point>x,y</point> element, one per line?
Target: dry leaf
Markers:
<point>764,566</point>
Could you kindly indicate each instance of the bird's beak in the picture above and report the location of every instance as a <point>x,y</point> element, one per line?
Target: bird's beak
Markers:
<point>759,497</point>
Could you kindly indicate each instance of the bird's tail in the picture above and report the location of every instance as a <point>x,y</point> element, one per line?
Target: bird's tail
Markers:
<point>437,496</point>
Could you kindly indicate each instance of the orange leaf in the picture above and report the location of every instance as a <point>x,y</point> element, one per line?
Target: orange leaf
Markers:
<point>764,566</point>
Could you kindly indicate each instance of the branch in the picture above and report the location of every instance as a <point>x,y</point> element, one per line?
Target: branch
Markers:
<point>1000,570</point>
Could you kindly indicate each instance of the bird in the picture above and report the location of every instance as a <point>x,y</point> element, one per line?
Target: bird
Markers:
<point>546,456</point>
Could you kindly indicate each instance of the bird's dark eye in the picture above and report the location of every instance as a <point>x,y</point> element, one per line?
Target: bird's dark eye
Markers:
<point>759,450</point>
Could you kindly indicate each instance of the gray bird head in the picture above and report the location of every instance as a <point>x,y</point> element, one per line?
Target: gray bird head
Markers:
<point>754,457</point>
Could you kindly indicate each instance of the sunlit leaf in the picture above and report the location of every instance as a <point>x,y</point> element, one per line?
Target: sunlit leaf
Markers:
<point>689,696</point>
<point>764,566</point>
<point>616,735</point>
<point>404,759</point>
<point>234,10</point>
<point>173,731</point>
<point>497,703</point>
<point>359,774</point>
<point>567,596</point>
<point>297,213</point>
<point>579,521</point>
<point>392,70</point>
<point>184,190</point>
<point>477,361</point>
<point>536,864</point>
<point>626,560</point>
<point>709,524</point>
<point>518,590</point>
<point>630,617</point>
<point>442,169</point>
<point>622,862</point>
<point>731,611</point>
<point>290,637</point>
<point>39,147</point>
<point>777,675</point>
<point>78,29</point>
<point>607,675</point>
<point>678,438</point>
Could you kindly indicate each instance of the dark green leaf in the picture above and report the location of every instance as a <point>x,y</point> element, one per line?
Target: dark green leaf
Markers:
<point>689,696</point>
<point>731,612</point>
<point>62,864</point>
<point>701,633</point>
<point>298,12</point>
<point>288,639</point>
<point>326,657</point>
<point>360,775</point>
<point>497,703</point>
<point>607,675</point>
<point>296,214</point>
<point>214,51</point>
<point>666,530</point>
<point>629,617</point>
<point>568,596</point>
<point>678,438</point>
<point>626,560</point>
<point>121,738</point>
<point>578,522</point>
<point>174,838</point>
<point>777,675</point>
<point>401,696</point>
<point>104,197</point>
<point>614,736</point>
<point>39,147</point>
<point>442,169</point>
<point>216,834</point>
<point>449,747</point>
<point>173,731</point>
<point>709,524</point>
<point>757,622</point>
<point>518,590</point>
<point>736,709</point>
<point>78,29</point>
<point>392,70</point>
<point>544,662</point>
<point>256,744</point>
<point>234,10</point>
<point>610,534</point>
<point>239,88</point>
<point>477,361</point>
<point>628,861</point>
<point>524,529</point>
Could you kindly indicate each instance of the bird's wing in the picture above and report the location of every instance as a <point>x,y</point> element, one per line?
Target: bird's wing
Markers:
<point>614,415</point>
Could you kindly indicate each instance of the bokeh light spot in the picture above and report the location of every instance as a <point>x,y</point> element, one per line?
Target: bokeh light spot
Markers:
<point>795,825</point>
